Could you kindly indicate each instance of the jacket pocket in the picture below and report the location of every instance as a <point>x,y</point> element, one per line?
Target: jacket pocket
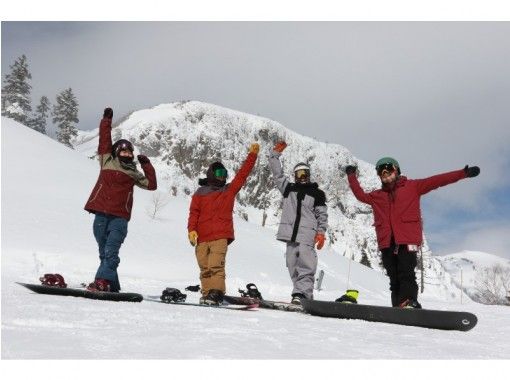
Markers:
<point>127,201</point>
<point>96,193</point>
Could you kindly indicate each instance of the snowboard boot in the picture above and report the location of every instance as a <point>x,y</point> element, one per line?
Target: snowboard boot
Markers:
<point>214,297</point>
<point>410,304</point>
<point>172,295</point>
<point>296,298</point>
<point>99,285</point>
<point>350,296</point>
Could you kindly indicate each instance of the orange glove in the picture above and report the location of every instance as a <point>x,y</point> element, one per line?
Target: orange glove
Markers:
<point>280,146</point>
<point>193,237</point>
<point>254,148</point>
<point>319,240</point>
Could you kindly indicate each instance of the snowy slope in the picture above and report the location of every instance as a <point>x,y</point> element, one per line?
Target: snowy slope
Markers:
<point>45,230</point>
<point>471,264</point>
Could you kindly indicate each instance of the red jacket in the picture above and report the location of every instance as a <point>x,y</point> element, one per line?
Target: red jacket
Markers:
<point>210,212</point>
<point>113,192</point>
<point>398,211</point>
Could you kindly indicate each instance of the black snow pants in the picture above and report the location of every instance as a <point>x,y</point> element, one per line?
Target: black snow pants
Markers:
<point>399,264</point>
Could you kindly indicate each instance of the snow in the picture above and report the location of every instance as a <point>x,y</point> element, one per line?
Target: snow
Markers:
<point>46,230</point>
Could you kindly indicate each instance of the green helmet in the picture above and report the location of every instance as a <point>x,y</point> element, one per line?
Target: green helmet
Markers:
<point>387,160</point>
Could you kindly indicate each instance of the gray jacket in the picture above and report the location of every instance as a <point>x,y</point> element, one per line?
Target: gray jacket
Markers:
<point>304,211</point>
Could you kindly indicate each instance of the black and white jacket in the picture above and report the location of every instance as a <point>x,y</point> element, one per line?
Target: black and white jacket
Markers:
<point>304,211</point>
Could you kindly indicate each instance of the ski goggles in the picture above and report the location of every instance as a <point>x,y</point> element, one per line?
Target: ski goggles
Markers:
<point>388,167</point>
<point>220,173</point>
<point>302,173</point>
<point>125,146</point>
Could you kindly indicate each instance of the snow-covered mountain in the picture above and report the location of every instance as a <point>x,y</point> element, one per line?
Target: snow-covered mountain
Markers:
<point>46,230</point>
<point>466,270</point>
<point>183,138</point>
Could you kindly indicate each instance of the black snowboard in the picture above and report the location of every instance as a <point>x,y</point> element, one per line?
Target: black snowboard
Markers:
<point>434,319</point>
<point>105,296</point>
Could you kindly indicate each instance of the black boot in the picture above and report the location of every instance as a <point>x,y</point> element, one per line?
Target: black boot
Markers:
<point>214,297</point>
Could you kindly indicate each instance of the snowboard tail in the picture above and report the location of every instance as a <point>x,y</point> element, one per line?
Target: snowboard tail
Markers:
<point>434,319</point>
<point>105,296</point>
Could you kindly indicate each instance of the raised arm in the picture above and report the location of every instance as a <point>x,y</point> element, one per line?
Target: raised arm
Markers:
<point>358,192</point>
<point>275,166</point>
<point>148,180</point>
<point>104,149</point>
<point>243,173</point>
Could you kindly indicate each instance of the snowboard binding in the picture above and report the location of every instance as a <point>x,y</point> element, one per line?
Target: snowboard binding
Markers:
<point>55,280</point>
<point>172,295</point>
<point>251,291</point>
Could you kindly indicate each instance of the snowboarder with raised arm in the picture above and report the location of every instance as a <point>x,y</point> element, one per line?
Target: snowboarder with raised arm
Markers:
<point>211,226</point>
<point>397,221</point>
<point>303,223</point>
<point>111,200</point>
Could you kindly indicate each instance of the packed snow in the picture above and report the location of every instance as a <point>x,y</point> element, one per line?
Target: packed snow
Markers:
<point>45,230</point>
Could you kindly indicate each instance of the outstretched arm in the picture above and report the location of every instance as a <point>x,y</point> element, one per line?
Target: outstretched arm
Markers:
<point>431,183</point>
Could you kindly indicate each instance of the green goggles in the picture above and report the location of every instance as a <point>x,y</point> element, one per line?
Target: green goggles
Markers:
<point>221,173</point>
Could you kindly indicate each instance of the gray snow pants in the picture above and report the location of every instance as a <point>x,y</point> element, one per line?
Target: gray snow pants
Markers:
<point>302,265</point>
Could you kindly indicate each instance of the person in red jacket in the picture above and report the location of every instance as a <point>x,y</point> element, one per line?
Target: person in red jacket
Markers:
<point>397,221</point>
<point>111,200</point>
<point>210,224</point>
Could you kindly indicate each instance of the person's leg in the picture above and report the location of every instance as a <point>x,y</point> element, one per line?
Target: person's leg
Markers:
<point>291,258</point>
<point>390,261</point>
<point>201,253</point>
<point>306,266</point>
<point>100,233</point>
<point>406,275</point>
<point>116,233</point>
<point>216,264</point>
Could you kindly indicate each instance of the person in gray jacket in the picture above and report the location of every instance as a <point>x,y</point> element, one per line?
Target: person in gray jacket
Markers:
<point>303,224</point>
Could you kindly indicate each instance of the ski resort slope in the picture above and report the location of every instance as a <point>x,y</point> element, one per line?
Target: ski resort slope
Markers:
<point>45,230</point>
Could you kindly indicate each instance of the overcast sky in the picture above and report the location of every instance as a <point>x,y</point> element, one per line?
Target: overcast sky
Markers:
<point>436,96</point>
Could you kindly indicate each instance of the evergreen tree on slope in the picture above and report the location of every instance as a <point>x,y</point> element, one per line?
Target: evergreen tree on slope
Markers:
<point>42,111</point>
<point>16,91</point>
<point>65,115</point>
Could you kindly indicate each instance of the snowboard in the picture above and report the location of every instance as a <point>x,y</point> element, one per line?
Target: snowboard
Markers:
<point>263,304</point>
<point>433,319</point>
<point>73,292</point>
<point>225,305</point>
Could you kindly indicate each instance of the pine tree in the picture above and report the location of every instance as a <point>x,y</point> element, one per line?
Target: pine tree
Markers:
<point>16,91</point>
<point>65,115</point>
<point>42,111</point>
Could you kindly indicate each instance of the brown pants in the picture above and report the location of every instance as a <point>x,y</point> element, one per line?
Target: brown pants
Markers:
<point>211,260</point>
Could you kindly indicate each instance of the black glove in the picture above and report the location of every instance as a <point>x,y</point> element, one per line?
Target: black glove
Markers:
<point>108,113</point>
<point>472,171</point>
<point>143,159</point>
<point>350,169</point>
